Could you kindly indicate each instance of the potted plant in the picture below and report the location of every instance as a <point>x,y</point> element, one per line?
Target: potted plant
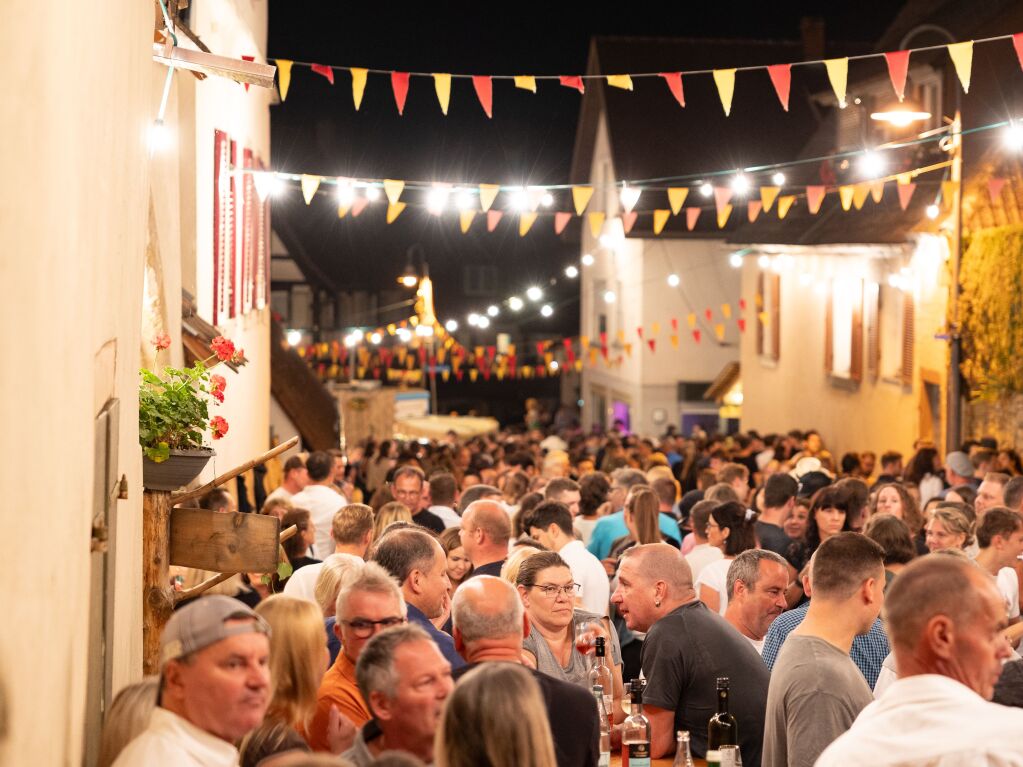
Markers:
<point>174,415</point>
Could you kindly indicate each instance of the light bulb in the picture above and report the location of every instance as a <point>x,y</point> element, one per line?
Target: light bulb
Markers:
<point>483,323</point>
<point>372,193</point>
<point>763,262</point>
<point>1014,135</point>
<point>404,335</point>
<point>451,326</point>
<point>519,200</point>
<point>735,260</point>
<point>778,179</point>
<point>554,364</point>
<point>629,197</point>
<point>515,303</point>
<point>492,310</point>
<point>872,165</point>
<point>673,280</point>
<point>424,331</point>
<point>159,136</point>
<point>294,337</point>
<point>357,335</point>
<point>587,259</point>
<point>436,199</point>
<point>609,297</point>
<point>465,200</point>
<point>375,338</point>
<point>571,272</point>
<point>345,194</point>
<point>267,184</point>
<point>534,294</point>
<point>706,189</point>
<point>546,310</point>
<point>932,211</point>
<point>740,184</point>
<point>473,319</point>
<point>547,200</point>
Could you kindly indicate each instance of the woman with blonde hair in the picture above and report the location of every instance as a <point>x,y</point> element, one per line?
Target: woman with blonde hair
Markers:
<point>510,568</point>
<point>127,717</point>
<point>948,528</point>
<point>495,717</point>
<point>389,514</point>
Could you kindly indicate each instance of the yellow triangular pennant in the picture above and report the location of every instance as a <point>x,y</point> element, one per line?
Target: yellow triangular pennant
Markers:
<point>660,219</point>
<point>358,85</point>
<point>723,215</point>
<point>442,84</point>
<point>393,190</point>
<point>674,341</point>
<point>719,331</point>
<point>904,178</point>
<point>596,224</point>
<point>962,57</point>
<point>284,77</point>
<point>394,210</point>
<point>677,197</point>
<point>526,82</point>
<point>526,221</point>
<point>877,190</point>
<point>620,81</point>
<point>691,320</point>
<point>724,79</point>
<point>488,193</point>
<point>465,219</point>
<point>342,211</point>
<point>764,317</point>
<point>784,203</point>
<point>581,198</point>
<point>309,186</point>
<point>838,74</point>
<point>628,349</point>
<point>845,194</point>
<point>768,195</point>
<point>860,192</point>
<point>655,328</point>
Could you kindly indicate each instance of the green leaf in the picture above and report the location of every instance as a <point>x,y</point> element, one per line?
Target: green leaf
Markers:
<point>158,454</point>
<point>284,570</point>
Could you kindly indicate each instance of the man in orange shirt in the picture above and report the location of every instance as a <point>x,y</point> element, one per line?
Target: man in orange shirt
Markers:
<point>369,602</point>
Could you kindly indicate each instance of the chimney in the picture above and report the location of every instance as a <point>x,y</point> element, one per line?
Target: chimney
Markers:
<point>811,30</point>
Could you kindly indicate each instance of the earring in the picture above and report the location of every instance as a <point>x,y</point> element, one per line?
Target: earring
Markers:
<point>657,603</point>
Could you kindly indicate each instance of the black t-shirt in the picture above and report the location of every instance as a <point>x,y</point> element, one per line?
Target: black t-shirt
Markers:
<point>572,713</point>
<point>773,538</point>
<point>684,654</point>
<point>491,568</point>
<point>429,520</point>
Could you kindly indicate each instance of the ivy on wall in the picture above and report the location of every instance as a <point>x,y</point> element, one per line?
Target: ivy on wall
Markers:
<point>991,312</point>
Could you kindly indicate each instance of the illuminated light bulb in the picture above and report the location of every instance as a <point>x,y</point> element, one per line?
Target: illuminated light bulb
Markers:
<point>473,319</point>
<point>547,200</point>
<point>805,278</point>
<point>492,310</point>
<point>519,200</point>
<point>515,303</point>
<point>571,272</point>
<point>763,262</point>
<point>740,184</point>
<point>294,337</point>
<point>345,194</point>
<point>629,197</point>
<point>483,323</point>
<point>404,335</point>
<point>872,164</point>
<point>436,199</point>
<point>159,137</point>
<point>1013,136</point>
<point>465,200</point>
<point>706,189</point>
<point>610,297</point>
<point>534,294</point>
<point>267,184</point>
<point>893,280</point>
<point>451,326</point>
<point>375,338</point>
<point>933,211</point>
<point>778,179</point>
<point>587,259</point>
<point>372,193</point>
<point>357,335</point>
<point>349,341</point>
<point>735,260</point>
<point>409,280</point>
<point>673,280</point>
<point>554,364</point>
<point>546,310</point>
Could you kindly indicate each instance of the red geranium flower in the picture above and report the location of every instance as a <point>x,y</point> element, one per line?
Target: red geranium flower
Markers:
<point>161,341</point>
<point>223,348</point>
<point>219,426</point>
<point>238,358</point>
<point>218,384</point>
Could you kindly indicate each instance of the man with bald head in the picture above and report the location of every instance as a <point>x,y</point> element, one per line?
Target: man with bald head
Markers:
<point>687,648</point>
<point>489,626</point>
<point>484,534</point>
<point>946,621</point>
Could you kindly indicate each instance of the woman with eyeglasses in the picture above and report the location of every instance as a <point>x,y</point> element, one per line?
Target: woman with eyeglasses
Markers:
<point>549,594</point>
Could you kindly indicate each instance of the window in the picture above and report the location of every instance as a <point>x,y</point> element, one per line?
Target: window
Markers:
<point>479,279</point>
<point>769,332</point>
<point>843,342</point>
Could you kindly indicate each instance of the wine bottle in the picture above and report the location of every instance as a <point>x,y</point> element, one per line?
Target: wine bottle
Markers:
<point>600,674</point>
<point>605,728</point>
<point>722,729</point>
<point>636,732</point>
<point>683,755</point>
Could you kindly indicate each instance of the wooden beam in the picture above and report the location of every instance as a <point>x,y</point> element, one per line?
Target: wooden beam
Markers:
<point>157,594</point>
<point>190,495</point>
<point>223,542</point>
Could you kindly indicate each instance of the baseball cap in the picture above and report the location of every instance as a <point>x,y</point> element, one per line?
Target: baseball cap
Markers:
<point>204,622</point>
<point>811,482</point>
<point>960,463</point>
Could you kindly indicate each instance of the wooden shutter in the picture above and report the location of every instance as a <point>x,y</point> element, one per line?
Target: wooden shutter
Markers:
<point>775,316</point>
<point>908,338</point>
<point>223,227</point>
<point>829,345</point>
<point>249,234</point>
<point>235,297</point>
<point>760,322</point>
<point>872,309</point>
<point>856,342</point>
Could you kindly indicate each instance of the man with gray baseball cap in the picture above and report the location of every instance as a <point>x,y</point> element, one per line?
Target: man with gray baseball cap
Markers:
<point>214,687</point>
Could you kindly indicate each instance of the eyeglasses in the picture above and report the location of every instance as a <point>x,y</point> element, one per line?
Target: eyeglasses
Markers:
<point>364,628</point>
<point>550,590</point>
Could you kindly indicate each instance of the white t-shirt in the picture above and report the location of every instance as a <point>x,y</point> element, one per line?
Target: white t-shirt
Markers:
<point>447,515</point>
<point>1008,587</point>
<point>322,503</point>
<point>701,556</point>
<point>588,573</point>
<point>171,741</point>
<point>584,527</point>
<point>714,576</point>
<point>280,492</point>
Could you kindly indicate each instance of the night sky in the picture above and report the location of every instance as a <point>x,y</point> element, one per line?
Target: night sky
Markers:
<point>529,140</point>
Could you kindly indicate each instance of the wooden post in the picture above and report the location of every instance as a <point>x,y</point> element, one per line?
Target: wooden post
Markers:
<point>157,594</point>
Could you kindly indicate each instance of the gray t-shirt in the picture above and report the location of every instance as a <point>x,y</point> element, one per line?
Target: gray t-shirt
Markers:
<point>816,692</point>
<point>684,654</point>
<point>578,669</point>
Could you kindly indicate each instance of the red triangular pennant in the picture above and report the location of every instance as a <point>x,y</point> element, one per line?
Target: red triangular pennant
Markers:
<point>493,216</point>
<point>696,335</point>
<point>994,188</point>
<point>708,314</point>
<point>753,208</point>
<point>322,69</point>
<point>1017,43</point>
<point>629,220</point>
<point>742,325</point>
<point>561,221</point>
<point>905,194</point>
<point>573,81</point>
<point>898,65</point>
<point>742,304</point>
<point>781,76</point>
<point>399,84</point>
<point>652,343</point>
<point>484,92</point>
<point>674,81</point>
<point>253,58</point>
<point>814,198</point>
<point>691,215</point>
<point>358,205</point>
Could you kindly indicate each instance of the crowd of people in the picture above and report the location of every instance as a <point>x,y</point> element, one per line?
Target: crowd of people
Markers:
<point>447,599</point>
